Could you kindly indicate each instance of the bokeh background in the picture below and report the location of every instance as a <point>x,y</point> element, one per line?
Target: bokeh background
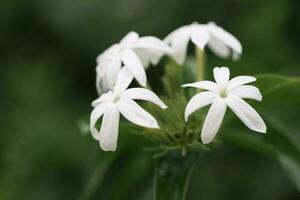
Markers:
<point>47,81</point>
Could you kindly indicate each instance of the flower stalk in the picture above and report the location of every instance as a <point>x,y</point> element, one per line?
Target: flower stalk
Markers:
<point>200,62</point>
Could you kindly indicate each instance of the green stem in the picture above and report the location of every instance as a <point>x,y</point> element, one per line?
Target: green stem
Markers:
<point>172,78</point>
<point>200,61</point>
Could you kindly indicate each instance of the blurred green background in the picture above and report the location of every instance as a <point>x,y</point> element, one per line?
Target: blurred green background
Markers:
<point>47,62</point>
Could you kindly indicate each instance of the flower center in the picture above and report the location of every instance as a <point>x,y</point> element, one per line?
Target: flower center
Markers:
<point>223,93</point>
<point>116,99</point>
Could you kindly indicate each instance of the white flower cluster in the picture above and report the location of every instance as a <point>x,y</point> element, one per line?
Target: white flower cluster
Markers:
<point>116,68</point>
<point>127,60</point>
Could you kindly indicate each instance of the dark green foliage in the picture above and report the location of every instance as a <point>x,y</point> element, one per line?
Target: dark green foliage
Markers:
<point>172,175</point>
<point>47,59</point>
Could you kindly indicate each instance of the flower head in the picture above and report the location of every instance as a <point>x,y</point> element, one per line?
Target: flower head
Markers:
<point>132,52</point>
<point>218,40</point>
<point>121,100</point>
<point>223,93</point>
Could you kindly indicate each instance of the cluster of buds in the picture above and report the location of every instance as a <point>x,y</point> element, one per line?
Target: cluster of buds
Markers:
<point>127,60</point>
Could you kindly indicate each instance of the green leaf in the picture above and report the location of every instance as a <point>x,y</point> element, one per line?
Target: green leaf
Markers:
<point>96,178</point>
<point>104,173</point>
<point>291,167</point>
<point>172,175</point>
<point>248,141</point>
<point>269,83</point>
<point>280,110</point>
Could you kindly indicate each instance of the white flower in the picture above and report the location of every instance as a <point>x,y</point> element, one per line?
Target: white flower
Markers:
<point>121,100</point>
<point>225,93</point>
<point>134,53</point>
<point>218,40</point>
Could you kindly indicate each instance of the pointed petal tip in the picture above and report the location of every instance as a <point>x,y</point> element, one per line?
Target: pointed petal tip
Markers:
<point>237,56</point>
<point>155,125</point>
<point>264,130</point>
<point>221,68</point>
<point>143,83</point>
<point>105,147</point>
<point>186,115</point>
<point>164,106</point>
<point>184,85</point>
<point>94,104</point>
<point>187,85</point>
<point>252,78</point>
<point>205,140</point>
<point>186,118</point>
<point>178,61</point>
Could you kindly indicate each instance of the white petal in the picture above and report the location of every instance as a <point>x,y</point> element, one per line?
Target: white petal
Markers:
<point>154,56</point>
<point>205,85</point>
<point>134,113</point>
<point>130,38</point>
<point>240,80</point>
<point>115,48</point>
<point>144,94</point>
<point>143,56</point>
<point>152,43</point>
<point>148,56</point>
<point>95,115</point>
<point>123,81</point>
<point>99,86</point>
<point>107,72</point>
<point>200,36</point>
<point>108,136</point>
<point>246,114</point>
<point>247,92</point>
<point>221,75</point>
<point>134,66</point>
<point>213,120</point>
<point>104,98</point>
<point>179,44</point>
<point>218,47</point>
<point>224,37</point>
<point>198,101</point>
<point>171,35</point>
<point>236,56</point>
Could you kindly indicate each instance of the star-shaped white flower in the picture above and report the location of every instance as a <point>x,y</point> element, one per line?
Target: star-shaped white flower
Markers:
<point>134,53</point>
<point>225,93</point>
<point>218,40</point>
<point>121,100</point>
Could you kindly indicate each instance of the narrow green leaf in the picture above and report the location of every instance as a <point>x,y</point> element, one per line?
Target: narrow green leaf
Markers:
<point>245,140</point>
<point>269,83</point>
<point>172,175</point>
<point>96,178</point>
<point>291,167</point>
